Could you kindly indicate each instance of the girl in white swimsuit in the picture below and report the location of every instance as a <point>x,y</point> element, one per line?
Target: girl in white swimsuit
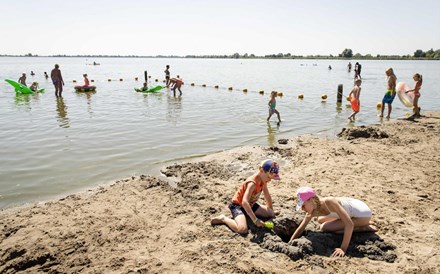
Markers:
<point>343,214</point>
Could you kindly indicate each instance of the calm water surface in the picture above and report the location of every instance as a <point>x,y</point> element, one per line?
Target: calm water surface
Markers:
<point>53,146</point>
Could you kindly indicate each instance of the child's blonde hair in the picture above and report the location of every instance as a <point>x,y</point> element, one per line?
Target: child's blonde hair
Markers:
<point>317,204</point>
<point>419,76</point>
<point>389,70</point>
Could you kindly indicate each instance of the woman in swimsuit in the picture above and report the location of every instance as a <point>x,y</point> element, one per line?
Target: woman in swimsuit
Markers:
<point>334,215</point>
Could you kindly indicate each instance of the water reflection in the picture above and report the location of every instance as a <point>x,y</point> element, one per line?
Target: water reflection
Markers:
<point>88,96</point>
<point>23,100</point>
<point>62,113</point>
<point>271,134</point>
<point>174,109</point>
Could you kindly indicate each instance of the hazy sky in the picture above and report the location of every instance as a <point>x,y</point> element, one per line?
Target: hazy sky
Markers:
<point>179,27</point>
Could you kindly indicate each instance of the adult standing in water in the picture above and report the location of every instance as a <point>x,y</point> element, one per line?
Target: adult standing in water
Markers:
<point>57,80</point>
<point>167,75</point>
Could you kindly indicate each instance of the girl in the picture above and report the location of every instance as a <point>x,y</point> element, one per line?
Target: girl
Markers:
<point>335,215</point>
<point>418,79</point>
<point>245,200</point>
<point>86,80</point>
<point>272,104</point>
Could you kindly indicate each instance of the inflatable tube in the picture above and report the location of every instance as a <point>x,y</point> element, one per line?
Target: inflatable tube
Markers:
<point>155,89</point>
<point>406,98</point>
<point>85,88</point>
<point>22,89</point>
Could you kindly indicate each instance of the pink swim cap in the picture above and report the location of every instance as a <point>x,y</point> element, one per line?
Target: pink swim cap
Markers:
<point>304,194</point>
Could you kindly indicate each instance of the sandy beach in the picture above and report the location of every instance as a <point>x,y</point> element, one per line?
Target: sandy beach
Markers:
<point>148,224</point>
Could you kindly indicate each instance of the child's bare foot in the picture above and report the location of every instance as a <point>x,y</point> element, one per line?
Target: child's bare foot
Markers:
<point>218,220</point>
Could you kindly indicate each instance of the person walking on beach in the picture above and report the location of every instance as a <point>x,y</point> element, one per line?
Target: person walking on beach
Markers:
<point>390,93</point>
<point>176,83</point>
<point>354,99</point>
<point>339,215</point>
<point>416,90</point>
<point>349,67</point>
<point>57,80</point>
<point>272,106</point>
<point>167,76</point>
<point>22,79</point>
<point>244,203</point>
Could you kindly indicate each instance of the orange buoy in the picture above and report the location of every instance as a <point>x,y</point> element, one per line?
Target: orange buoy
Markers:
<point>204,85</point>
<point>192,84</point>
<point>301,96</point>
<point>216,86</point>
<point>279,93</point>
<point>261,92</point>
<point>230,88</point>
<point>324,96</point>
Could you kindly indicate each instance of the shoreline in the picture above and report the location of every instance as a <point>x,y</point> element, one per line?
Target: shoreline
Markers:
<point>142,224</point>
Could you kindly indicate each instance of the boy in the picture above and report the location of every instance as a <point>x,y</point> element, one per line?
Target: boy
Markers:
<point>354,99</point>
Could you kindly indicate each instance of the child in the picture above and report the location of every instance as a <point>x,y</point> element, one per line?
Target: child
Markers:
<point>354,99</point>
<point>34,86</point>
<point>418,79</point>
<point>177,83</point>
<point>22,79</point>
<point>145,87</point>
<point>335,215</point>
<point>167,75</point>
<point>390,94</point>
<point>272,104</point>
<point>245,200</point>
<point>86,80</point>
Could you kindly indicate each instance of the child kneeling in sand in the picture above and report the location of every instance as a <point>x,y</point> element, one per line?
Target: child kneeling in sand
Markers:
<point>340,215</point>
<point>245,200</point>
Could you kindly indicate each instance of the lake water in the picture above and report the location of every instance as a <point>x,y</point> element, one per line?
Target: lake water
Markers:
<point>50,147</point>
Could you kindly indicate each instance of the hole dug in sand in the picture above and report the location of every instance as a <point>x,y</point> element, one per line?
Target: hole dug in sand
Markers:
<point>362,244</point>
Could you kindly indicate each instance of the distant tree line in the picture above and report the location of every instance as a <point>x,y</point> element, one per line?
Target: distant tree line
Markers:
<point>346,54</point>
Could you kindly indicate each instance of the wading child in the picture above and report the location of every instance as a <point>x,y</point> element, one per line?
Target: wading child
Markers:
<point>340,215</point>
<point>244,203</point>
<point>176,83</point>
<point>416,90</point>
<point>354,99</point>
<point>272,106</point>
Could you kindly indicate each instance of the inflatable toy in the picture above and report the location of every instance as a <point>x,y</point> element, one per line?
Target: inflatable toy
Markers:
<point>85,88</point>
<point>406,98</point>
<point>22,89</point>
<point>155,89</point>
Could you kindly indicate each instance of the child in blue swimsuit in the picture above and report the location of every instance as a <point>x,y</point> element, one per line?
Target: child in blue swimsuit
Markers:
<point>272,107</point>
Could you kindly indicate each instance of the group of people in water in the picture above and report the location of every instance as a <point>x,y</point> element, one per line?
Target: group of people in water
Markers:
<point>389,96</point>
<point>355,93</point>
<point>340,215</point>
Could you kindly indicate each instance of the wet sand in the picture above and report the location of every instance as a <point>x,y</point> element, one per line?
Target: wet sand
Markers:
<point>144,225</point>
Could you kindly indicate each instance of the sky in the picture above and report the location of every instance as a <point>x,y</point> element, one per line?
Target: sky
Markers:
<point>196,27</point>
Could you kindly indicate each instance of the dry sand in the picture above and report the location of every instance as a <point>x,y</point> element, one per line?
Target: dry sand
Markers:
<point>144,225</point>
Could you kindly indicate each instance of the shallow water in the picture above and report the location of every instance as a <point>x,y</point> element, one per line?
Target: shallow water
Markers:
<point>52,146</point>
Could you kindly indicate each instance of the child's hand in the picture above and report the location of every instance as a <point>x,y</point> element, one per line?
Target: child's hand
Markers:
<point>338,253</point>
